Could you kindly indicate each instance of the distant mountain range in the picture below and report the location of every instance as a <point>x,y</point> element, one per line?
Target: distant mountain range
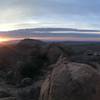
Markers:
<point>52,32</point>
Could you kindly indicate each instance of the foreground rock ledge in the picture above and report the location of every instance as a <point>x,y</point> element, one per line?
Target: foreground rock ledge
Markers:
<point>71,81</point>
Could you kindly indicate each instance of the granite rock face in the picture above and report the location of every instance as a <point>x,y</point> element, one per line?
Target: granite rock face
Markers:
<point>29,93</point>
<point>71,81</point>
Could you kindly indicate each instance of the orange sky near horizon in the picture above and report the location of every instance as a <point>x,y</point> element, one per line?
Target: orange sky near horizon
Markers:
<point>69,38</point>
<point>53,39</point>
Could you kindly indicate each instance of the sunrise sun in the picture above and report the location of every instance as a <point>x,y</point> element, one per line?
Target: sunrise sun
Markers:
<point>4,39</point>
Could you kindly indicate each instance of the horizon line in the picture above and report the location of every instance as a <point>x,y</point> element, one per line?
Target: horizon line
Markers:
<point>73,29</point>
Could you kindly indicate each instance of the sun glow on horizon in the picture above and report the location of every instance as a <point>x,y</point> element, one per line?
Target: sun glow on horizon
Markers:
<point>4,39</point>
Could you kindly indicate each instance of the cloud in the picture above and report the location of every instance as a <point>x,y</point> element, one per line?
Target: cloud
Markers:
<point>56,13</point>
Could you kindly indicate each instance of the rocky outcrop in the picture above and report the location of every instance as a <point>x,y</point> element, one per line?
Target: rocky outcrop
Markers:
<point>25,82</point>
<point>30,42</point>
<point>71,81</point>
<point>54,51</point>
<point>4,94</point>
<point>8,98</point>
<point>24,67</point>
<point>30,92</point>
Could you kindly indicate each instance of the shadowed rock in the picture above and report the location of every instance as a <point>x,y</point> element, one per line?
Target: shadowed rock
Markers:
<point>30,42</point>
<point>71,81</point>
<point>54,51</point>
<point>25,82</point>
<point>4,94</point>
<point>8,98</point>
<point>30,92</point>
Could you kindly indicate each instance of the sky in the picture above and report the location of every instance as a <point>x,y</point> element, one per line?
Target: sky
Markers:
<point>20,14</point>
<point>15,14</point>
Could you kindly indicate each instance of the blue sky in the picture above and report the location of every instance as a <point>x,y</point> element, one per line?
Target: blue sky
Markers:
<point>15,14</point>
<point>23,14</point>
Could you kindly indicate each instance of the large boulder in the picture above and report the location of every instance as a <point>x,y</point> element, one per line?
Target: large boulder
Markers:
<point>30,92</point>
<point>71,81</point>
<point>30,42</point>
<point>4,94</point>
<point>54,51</point>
